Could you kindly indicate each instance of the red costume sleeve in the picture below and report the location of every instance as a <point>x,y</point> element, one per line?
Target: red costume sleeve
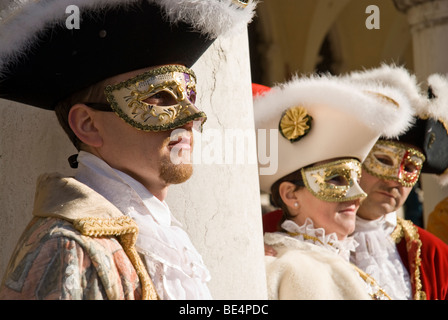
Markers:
<point>271,220</point>
<point>433,266</point>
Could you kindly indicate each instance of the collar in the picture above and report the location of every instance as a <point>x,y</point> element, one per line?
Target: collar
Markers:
<point>121,189</point>
<point>387,223</point>
<point>66,198</point>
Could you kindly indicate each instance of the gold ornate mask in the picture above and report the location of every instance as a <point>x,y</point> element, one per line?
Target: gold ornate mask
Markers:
<point>157,100</point>
<point>335,181</point>
<point>394,161</point>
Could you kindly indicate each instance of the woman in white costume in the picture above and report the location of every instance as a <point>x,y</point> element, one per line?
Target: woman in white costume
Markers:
<point>326,129</point>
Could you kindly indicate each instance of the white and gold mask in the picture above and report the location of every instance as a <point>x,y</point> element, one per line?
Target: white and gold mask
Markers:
<point>394,161</point>
<point>335,181</point>
<point>157,100</point>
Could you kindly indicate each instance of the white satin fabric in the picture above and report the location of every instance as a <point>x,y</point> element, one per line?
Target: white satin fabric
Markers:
<point>175,266</point>
<point>378,255</point>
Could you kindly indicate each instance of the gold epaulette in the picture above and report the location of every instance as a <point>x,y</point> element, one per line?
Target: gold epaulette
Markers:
<point>126,231</point>
<point>407,230</point>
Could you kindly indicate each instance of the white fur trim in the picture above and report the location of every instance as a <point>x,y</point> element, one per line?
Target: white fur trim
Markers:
<point>304,271</point>
<point>21,20</point>
<point>438,107</point>
<point>396,77</point>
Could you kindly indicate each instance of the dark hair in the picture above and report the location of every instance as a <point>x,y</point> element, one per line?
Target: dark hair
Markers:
<point>276,200</point>
<point>91,96</point>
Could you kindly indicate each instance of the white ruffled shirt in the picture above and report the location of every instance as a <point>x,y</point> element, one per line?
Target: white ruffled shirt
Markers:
<point>175,266</point>
<point>378,255</point>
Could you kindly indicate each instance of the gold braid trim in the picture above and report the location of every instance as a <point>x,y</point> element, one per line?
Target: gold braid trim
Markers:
<point>126,230</point>
<point>409,231</point>
<point>371,281</point>
<point>307,237</point>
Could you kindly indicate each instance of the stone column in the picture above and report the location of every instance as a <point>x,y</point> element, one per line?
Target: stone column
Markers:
<point>219,207</point>
<point>428,20</point>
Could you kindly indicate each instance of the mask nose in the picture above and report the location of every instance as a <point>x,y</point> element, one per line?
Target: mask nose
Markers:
<point>355,191</point>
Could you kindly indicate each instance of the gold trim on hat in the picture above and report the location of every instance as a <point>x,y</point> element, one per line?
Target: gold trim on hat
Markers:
<point>383,97</point>
<point>241,3</point>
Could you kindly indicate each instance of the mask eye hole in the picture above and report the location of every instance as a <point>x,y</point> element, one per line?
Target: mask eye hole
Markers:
<point>161,98</point>
<point>384,159</point>
<point>410,167</point>
<point>413,164</point>
<point>192,97</point>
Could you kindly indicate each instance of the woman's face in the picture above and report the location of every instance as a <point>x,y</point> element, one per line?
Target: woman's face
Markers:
<point>331,196</point>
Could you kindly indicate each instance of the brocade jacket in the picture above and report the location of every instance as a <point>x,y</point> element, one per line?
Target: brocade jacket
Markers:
<point>77,246</point>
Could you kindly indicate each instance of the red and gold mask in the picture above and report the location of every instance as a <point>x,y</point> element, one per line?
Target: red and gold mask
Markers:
<point>395,161</point>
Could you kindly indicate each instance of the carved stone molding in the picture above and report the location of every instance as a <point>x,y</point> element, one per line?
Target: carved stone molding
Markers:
<point>424,14</point>
<point>405,5</point>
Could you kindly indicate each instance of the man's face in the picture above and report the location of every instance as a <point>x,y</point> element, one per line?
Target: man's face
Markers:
<point>147,156</point>
<point>384,196</point>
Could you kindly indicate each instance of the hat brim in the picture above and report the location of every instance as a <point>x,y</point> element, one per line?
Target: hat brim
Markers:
<point>109,42</point>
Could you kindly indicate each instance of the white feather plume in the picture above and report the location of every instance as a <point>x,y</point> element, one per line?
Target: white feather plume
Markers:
<point>438,109</point>
<point>396,77</point>
<point>21,20</point>
<point>438,106</point>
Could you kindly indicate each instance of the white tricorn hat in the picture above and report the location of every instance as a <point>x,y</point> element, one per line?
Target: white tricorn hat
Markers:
<point>394,76</point>
<point>331,118</point>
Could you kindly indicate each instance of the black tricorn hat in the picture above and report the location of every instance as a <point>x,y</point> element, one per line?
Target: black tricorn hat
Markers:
<point>43,60</point>
<point>430,136</point>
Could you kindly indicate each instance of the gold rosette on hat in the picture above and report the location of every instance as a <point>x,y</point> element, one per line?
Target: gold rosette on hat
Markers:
<point>295,123</point>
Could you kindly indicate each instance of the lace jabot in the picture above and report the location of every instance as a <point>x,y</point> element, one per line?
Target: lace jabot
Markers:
<point>378,255</point>
<point>308,233</point>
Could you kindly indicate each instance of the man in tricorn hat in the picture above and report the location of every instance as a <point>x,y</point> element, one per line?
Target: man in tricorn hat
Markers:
<point>121,86</point>
<point>408,261</point>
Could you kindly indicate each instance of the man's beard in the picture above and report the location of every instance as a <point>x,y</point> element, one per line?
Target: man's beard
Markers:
<point>175,173</point>
<point>177,167</point>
